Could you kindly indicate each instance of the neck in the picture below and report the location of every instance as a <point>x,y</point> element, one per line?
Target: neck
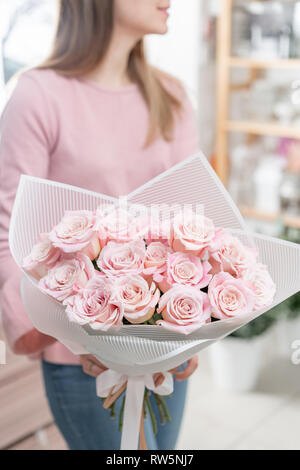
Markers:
<point>113,69</point>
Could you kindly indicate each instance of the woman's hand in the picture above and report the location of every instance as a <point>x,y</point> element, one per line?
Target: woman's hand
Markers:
<point>182,375</point>
<point>188,371</point>
<point>33,342</point>
<point>91,365</point>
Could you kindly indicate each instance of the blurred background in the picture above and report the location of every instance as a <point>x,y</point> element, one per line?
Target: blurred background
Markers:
<point>240,63</point>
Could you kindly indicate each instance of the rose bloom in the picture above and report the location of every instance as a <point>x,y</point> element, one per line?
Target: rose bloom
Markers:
<point>229,254</point>
<point>262,285</point>
<point>137,297</point>
<point>192,233</point>
<point>119,225</point>
<point>93,305</point>
<point>68,276</point>
<point>119,259</point>
<point>184,309</point>
<point>43,257</point>
<point>76,232</point>
<point>155,261</point>
<point>230,297</point>
<point>185,269</point>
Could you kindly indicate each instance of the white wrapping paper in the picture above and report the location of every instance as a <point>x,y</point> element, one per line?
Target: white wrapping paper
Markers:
<point>137,350</point>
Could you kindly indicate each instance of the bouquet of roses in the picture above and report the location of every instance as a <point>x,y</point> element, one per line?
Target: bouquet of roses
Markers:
<point>110,269</point>
<point>144,292</point>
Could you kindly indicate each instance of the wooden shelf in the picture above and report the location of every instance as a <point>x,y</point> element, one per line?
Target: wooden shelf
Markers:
<point>225,63</point>
<point>263,128</point>
<point>247,62</point>
<point>252,213</point>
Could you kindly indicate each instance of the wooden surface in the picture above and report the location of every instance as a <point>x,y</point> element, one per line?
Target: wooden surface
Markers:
<point>263,128</point>
<point>223,89</point>
<point>47,439</point>
<point>23,406</point>
<point>252,213</point>
<point>245,62</point>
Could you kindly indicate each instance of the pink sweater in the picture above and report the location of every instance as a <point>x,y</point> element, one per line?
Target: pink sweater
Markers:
<point>80,133</point>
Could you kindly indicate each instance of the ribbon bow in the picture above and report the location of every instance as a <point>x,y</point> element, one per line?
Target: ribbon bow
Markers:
<point>111,384</point>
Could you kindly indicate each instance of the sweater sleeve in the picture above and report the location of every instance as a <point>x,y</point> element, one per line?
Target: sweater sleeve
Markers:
<point>25,144</point>
<point>186,133</point>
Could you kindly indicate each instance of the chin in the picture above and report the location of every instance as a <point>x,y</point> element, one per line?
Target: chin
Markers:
<point>163,30</point>
<point>158,29</point>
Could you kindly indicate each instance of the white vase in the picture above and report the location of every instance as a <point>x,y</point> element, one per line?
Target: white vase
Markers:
<point>236,362</point>
<point>287,331</point>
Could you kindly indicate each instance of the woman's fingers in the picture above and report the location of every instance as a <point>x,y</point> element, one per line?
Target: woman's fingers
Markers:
<point>91,366</point>
<point>97,362</point>
<point>158,378</point>
<point>189,370</point>
<point>92,370</point>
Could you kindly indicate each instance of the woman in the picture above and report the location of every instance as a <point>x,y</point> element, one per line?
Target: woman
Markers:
<point>94,115</point>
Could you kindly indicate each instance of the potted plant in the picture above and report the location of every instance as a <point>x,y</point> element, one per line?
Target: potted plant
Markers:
<point>288,312</point>
<point>236,360</point>
<point>288,326</point>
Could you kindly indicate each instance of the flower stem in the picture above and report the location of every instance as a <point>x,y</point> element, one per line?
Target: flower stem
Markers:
<point>121,414</point>
<point>152,415</point>
<point>112,410</point>
<point>144,405</point>
<point>160,409</point>
<point>165,408</point>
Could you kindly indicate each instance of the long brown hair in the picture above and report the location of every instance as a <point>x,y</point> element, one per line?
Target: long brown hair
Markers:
<point>82,38</point>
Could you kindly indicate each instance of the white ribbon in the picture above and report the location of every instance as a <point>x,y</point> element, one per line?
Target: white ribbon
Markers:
<point>133,401</point>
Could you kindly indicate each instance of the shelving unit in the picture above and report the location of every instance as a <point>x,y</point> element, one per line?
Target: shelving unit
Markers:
<point>225,63</point>
<point>270,217</point>
<point>243,62</point>
<point>262,128</point>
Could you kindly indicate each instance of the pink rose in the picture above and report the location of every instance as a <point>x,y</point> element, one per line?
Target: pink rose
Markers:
<point>119,259</point>
<point>119,225</point>
<point>229,254</point>
<point>185,269</point>
<point>262,285</point>
<point>184,309</point>
<point>192,233</point>
<point>68,276</point>
<point>230,297</point>
<point>43,257</point>
<point>76,232</point>
<point>155,261</point>
<point>93,305</point>
<point>137,297</point>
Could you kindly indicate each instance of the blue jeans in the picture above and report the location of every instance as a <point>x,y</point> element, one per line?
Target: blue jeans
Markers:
<point>86,425</point>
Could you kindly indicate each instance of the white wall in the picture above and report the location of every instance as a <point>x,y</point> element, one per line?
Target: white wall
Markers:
<point>183,53</point>
<point>178,52</point>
